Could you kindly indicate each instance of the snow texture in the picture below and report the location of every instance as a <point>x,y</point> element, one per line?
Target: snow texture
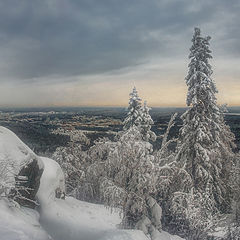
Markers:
<point>52,182</point>
<point>20,223</point>
<point>18,159</point>
<point>12,149</point>
<point>58,219</point>
<point>77,220</point>
<point>205,141</point>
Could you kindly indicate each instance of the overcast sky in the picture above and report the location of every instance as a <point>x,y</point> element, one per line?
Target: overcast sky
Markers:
<point>92,52</point>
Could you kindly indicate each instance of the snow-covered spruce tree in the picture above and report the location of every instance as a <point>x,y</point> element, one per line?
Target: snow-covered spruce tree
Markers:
<point>139,116</point>
<point>130,182</point>
<point>134,111</point>
<point>146,123</point>
<point>205,141</point>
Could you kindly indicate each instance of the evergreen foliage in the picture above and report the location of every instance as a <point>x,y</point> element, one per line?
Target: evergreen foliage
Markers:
<point>146,124</point>
<point>205,141</point>
<point>134,117</point>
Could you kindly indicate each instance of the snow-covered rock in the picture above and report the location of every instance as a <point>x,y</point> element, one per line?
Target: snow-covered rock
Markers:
<point>52,184</point>
<point>17,160</point>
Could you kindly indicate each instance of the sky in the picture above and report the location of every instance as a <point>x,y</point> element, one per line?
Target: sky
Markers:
<point>93,52</point>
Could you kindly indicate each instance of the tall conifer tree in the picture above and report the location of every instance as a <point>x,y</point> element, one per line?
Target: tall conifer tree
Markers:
<point>205,142</point>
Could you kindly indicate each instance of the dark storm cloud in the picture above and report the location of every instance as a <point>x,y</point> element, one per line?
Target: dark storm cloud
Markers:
<point>69,37</point>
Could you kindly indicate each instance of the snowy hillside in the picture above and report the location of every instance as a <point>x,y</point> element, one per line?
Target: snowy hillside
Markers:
<point>56,218</point>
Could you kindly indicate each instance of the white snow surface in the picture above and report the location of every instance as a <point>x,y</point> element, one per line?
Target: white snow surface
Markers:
<point>17,223</point>
<point>13,151</point>
<point>77,220</point>
<point>51,180</point>
<point>70,218</point>
<point>57,219</point>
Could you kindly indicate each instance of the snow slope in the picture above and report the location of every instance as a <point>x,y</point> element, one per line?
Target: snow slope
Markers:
<point>56,219</point>
<point>76,220</point>
<point>20,223</point>
<point>70,218</point>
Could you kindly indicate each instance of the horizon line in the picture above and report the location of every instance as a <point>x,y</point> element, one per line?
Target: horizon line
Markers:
<point>98,106</point>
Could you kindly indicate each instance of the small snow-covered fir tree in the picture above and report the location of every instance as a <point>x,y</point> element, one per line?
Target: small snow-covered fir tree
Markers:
<point>205,141</point>
<point>139,116</point>
<point>146,123</point>
<point>134,111</point>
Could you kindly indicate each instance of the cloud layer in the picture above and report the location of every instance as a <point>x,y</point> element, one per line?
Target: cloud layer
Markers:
<point>70,42</point>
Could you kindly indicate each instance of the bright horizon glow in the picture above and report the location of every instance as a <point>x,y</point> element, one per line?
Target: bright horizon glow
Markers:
<point>92,53</point>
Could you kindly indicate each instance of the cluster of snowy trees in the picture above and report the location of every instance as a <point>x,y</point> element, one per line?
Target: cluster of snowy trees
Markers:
<point>186,189</point>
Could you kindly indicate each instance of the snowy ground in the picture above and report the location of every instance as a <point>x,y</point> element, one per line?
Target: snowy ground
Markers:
<point>57,219</point>
<point>73,219</point>
<point>20,223</point>
<point>77,220</point>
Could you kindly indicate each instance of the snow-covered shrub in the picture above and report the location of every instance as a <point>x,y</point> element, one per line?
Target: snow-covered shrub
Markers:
<point>130,179</point>
<point>112,195</point>
<point>164,155</point>
<point>235,183</point>
<point>76,136</point>
<point>233,233</point>
<point>7,178</point>
<point>73,161</point>
<point>193,214</point>
<point>95,172</point>
<point>13,186</point>
<point>171,177</point>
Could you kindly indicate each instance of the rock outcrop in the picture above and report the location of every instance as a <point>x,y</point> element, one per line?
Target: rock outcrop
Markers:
<point>21,169</point>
